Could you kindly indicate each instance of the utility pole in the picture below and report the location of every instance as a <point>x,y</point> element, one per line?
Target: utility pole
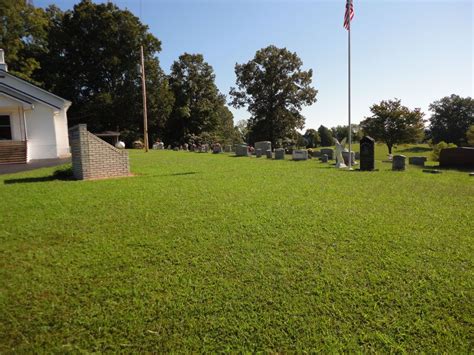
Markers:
<point>145,118</point>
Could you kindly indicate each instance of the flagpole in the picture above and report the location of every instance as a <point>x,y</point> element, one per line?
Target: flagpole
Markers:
<point>145,118</point>
<point>349,92</point>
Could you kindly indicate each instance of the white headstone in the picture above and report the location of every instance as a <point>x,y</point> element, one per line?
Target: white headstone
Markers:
<point>120,145</point>
<point>3,65</point>
<point>339,149</point>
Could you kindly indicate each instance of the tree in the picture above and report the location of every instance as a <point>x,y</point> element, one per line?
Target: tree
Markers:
<point>470,135</point>
<point>93,52</point>
<point>393,123</point>
<point>299,139</point>
<point>326,136</point>
<point>341,132</point>
<point>357,133</point>
<point>23,36</point>
<point>274,88</point>
<point>226,132</point>
<point>451,118</point>
<point>242,128</point>
<point>437,148</point>
<point>312,138</point>
<point>160,103</point>
<point>427,138</point>
<point>198,103</point>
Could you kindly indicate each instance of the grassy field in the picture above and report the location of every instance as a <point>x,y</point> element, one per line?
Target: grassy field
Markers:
<point>202,252</point>
<point>409,150</point>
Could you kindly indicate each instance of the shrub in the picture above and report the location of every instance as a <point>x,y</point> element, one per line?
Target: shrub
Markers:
<point>65,173</point>
<point>438,147</point>
<point>138,144</point>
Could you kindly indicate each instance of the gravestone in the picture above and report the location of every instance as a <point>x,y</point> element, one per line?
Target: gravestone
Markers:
<point>217,148</point>
<point>398,162</point>
<point>432,171</point>
<point>138,144</point>
<point>263,145</point>
<point>357,155</point>
<point>228,148</point>
<point>121,145</point>
<point>462,157</point>
<point>300,154</point>
<point>316,153</point>
<point>329,152</point>
<point>339,149</point>
<point>345,156</point>
<point>258,152</point>
<point>417,161</point>
<point>324,158</point>
<point>279,154</point>
<point>159,145</point>
<point>241,150</point>
<point>269,154</point>
<point>367,153</point>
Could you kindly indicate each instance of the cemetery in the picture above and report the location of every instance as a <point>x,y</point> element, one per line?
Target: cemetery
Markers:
<point>203,251</point>
<point>172,187</point>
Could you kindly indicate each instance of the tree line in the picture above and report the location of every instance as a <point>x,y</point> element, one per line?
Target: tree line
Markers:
<point>89,55</point>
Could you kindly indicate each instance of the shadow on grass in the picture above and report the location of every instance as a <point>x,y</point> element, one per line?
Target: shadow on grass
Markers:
<point>181,174</point>
<point>64,174</point>
<point>448,168</point>
<point>415,150</point>
<point>364,171</point>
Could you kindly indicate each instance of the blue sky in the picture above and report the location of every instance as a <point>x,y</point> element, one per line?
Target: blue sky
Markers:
<point>415,50</point>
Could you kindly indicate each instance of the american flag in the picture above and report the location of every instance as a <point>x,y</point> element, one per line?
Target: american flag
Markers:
<point>349,14</point>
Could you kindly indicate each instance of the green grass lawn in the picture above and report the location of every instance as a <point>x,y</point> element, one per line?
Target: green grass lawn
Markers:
<point>409,150</point>
<point>202,252</point>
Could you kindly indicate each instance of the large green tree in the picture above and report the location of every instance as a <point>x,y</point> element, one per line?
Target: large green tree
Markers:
<point>23,34</point>
<point>451,118</point>
<point>325,135</point>
<point>312,138</point>
<point>226,131</point>
<point>393,123</point>
<point>242,127</point>
<point>198,106</point>
<point>274,88</point>
<point>341,132</point>
<point>470,136</point>
<point>93,52</point>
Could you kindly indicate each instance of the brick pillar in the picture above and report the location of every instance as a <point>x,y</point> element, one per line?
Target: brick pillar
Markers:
<point>93,158</point>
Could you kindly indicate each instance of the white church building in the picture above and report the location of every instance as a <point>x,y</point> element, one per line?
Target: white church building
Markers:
<point>33,122</point>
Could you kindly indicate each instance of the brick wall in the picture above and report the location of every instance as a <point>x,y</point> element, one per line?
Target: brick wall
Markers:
<point>93,158</point>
